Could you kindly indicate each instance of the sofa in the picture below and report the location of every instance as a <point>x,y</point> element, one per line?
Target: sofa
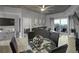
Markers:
<point>53,36</point>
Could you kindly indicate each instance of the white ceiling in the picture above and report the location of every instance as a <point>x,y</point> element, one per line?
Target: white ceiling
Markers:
<point>51,9</point>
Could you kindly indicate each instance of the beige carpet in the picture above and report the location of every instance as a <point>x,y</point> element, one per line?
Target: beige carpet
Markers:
<point>71,45</point>
<point>70,40</point>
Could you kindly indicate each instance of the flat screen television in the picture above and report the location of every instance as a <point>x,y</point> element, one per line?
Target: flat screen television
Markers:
<point>7,22</point>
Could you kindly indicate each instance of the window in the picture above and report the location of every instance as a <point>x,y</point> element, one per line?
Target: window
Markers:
<point>57,21</point>
<point>62,21</point>
<point>60,24</point>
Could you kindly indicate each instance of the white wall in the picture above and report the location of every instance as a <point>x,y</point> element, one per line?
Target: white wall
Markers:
<point>27,17</point>
<point>52,23</point>
<point>32,19</point>
<point>7,12</point>
<point>72,23</point>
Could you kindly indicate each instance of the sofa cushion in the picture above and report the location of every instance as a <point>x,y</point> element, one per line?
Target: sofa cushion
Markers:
<point>53,36</point>
<point>42,32</point>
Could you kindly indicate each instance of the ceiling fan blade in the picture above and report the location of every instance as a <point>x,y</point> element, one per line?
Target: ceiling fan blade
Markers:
<point>39,7</point>
<point>49,7</point>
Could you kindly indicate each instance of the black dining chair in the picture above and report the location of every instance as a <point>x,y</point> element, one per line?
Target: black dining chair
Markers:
<point>61,49</point>
<point>13,45</point>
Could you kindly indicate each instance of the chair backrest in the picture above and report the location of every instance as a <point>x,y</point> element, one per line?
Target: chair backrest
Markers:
<point>13,45</point>
<point>31,35</point>
<point>54,36</point>
<point>61,49</point>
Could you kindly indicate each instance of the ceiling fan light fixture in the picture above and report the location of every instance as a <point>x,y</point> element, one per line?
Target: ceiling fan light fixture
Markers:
<point>42,9</point>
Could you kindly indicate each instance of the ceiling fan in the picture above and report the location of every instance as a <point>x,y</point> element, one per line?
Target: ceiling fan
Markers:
<point>44,7</point>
